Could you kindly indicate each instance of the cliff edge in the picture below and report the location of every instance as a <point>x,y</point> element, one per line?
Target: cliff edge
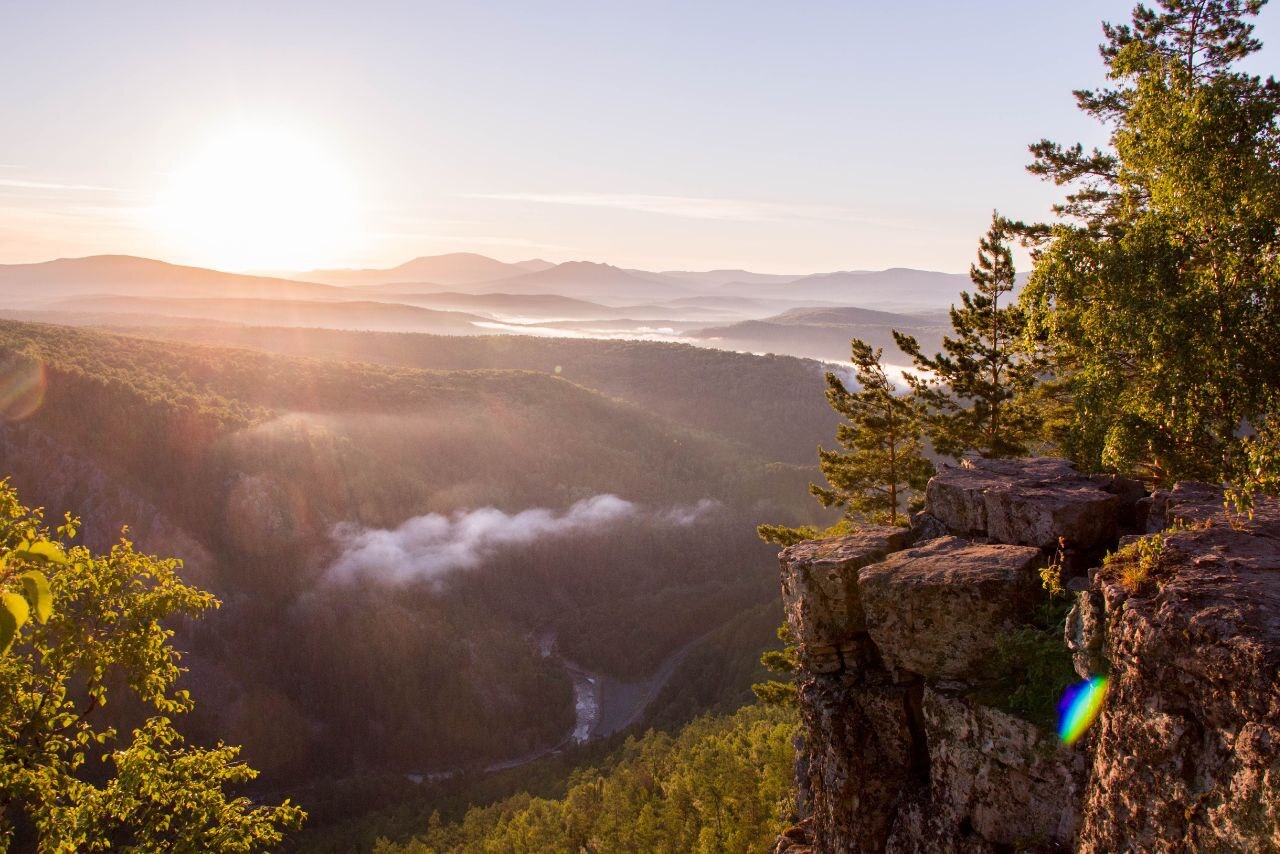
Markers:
<point>918,732</point>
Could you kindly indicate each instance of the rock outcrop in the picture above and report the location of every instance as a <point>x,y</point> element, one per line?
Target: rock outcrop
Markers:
<point>936,610</point>
<point>820,596</point>
<point>899,630</point>
<point>1186,754</point>
<point>1025,502</point>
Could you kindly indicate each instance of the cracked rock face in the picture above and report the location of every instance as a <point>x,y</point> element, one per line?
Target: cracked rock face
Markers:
<point>937,610</point>
<point>900,756</point>
<point>995,781</point>
<point>861,748</point>
<point>1187,750</point>
<point>820,591</point>
<point>1024,502</point>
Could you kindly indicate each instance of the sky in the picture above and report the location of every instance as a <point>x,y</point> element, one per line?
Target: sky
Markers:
<point>788,137</point>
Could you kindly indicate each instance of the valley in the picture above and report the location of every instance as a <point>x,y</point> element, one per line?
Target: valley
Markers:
<point>612,428</point>
<point>476,503</point>
<point>394,478</point>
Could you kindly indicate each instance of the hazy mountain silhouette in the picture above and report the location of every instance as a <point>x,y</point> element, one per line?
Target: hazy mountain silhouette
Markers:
<point>824,333</point>
<point>894,290</point>
<point>593,281</point>
<point>713,278</point>
<point>539,306</point>
<point>810,316</point>
<point>897,289</point>
<point>455,268</point>
<point>127,275</point>
<point>534,305</point>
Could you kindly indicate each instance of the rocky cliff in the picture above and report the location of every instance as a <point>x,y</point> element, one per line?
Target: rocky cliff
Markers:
<point>923,652</point>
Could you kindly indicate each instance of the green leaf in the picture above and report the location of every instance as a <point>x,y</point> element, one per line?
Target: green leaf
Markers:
<point>17,608</point>
<point>45,550</point>
<point>8,628</point>
<point>36,586</point>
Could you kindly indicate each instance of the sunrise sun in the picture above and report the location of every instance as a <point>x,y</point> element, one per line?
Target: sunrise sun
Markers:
<point>258,199</point>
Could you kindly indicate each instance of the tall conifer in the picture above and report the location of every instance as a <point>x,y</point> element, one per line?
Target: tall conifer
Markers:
<point>976,390</point>
<point>882,457</point>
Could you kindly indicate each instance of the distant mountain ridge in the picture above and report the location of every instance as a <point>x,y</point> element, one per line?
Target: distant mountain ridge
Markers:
<point>595,281</point>
<point>897,289</point>
<point>824,332</point>
<point>811,316</point>
<point>128,275</point>
<point>353,314</point>
<point>454,268</point>
<point>894,289</point>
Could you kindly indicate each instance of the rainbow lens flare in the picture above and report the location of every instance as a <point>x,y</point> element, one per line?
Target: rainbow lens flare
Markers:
<point>1079,708</point>
<point>22,387</point>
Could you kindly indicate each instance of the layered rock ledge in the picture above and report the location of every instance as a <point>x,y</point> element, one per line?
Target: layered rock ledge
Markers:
<point>899,629</point>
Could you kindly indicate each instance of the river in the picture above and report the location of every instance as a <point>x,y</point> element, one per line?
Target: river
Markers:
<point>603,705</point>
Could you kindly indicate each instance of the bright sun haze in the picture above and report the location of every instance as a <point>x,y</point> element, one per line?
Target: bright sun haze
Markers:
<point>258,198</point>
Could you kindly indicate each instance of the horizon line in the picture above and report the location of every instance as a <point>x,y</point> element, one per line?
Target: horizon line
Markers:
<point>289,274</point>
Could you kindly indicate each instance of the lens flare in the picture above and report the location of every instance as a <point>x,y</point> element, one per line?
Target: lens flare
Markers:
<point>1079,708</point>
<point>22,385</point>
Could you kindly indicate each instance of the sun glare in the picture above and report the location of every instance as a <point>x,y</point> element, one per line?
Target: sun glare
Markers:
<point>259,199</point>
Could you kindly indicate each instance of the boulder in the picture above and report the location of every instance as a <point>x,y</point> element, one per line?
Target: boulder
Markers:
<point>1152,510</point>
<point>796,839</point>
<point>1028,502</point>
<point>1130,495</point>
<point>1199,504</point>
<point>1193,504</point>
<point>820,591</point>
<point>926,527</point>
<point>935,610</point>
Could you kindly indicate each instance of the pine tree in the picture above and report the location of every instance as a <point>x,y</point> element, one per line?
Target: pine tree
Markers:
<point>883,452</point>
<point>977,390</point>
<point>1158,286</point>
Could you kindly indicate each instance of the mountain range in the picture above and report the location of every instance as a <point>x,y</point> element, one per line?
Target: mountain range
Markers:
<point>899,289</point>
<point>468,294</point>
<point>455,268</point>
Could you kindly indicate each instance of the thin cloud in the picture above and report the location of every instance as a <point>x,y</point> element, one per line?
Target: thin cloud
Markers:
<point>446,242</point>
<point>21,184</point>
<point>689,207</point>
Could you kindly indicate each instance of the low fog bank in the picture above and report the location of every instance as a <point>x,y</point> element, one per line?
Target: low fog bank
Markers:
<point>429,546</point>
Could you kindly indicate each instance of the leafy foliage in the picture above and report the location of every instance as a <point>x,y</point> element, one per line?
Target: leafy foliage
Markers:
<point>1133,564</point>
<point>883,456</point>
<point>1032,666</point>
<point>107,637</point>
<point>721,784</point>
<point>782,535</point>
<point>37,596</point>
<point>1158,287</point>
<point>978,390</point>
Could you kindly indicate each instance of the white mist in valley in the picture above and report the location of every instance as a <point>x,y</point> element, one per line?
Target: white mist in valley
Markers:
<point>428,546</point>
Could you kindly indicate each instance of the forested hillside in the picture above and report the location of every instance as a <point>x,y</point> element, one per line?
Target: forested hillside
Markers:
<point>772,404</point>
<point>721,784</point>
<point>266,472</point>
